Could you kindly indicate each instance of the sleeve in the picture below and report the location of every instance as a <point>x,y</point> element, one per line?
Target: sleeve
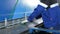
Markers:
<point>37,11</point>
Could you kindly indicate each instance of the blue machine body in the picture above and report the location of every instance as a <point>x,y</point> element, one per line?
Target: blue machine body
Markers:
<point>7,9</point>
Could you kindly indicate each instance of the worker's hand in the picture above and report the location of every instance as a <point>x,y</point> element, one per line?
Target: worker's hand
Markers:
<point>38,21</point>
<point>51,28</point>
<point>34,19</point>
<point>25,21</point>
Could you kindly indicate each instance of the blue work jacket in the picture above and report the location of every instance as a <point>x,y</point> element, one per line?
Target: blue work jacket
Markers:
<point>50,16</point>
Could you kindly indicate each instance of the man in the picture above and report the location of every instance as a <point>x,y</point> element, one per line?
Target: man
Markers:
<point>50,11</point>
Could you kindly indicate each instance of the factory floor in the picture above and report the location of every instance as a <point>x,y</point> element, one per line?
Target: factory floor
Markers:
<point>36,32</point>
<point>17,28</point>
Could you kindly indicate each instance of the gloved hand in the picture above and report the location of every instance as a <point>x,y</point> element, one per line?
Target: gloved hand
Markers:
<point>25,21</point>
<point>51,28</point>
